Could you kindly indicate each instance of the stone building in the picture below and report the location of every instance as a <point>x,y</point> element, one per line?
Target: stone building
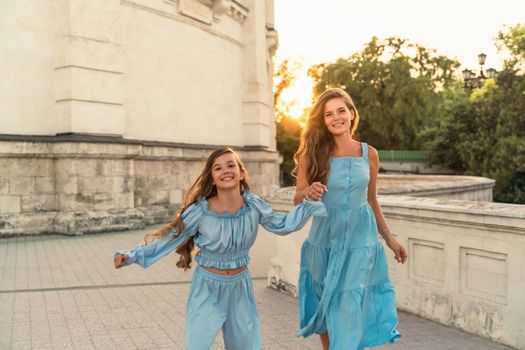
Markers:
<point>111,106</point>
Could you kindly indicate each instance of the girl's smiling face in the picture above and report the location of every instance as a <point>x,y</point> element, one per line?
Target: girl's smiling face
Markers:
<point>226,173</point>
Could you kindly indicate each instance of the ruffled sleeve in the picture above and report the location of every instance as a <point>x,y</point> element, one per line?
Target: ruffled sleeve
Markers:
<point>146,255</point>
<point>283,224</point>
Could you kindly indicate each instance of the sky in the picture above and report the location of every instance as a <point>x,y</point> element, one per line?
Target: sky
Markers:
<point>321,31</point>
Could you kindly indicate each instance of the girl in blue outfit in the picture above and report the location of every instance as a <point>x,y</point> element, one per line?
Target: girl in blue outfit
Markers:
<point>221,217</point>
<point>345,294</point>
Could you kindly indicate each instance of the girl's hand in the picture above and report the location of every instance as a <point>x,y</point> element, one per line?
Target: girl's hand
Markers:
<point>315,191</point>
<point>120,259</point>
<point>400,253</point>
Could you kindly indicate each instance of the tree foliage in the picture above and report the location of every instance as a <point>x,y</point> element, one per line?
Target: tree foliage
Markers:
<point>395,85</point>
<point>483,132</point>
<point>288,138</point>
<point>288,129</point>
<point>513,41</point>
<point>410,98</point>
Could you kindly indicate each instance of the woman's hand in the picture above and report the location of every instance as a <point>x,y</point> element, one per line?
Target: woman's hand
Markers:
<point>120,260</point>
<point>400,253</point>
<point>315,191</point>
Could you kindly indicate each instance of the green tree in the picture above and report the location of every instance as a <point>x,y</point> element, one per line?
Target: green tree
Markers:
<point>288,138</point>
<point>483,132</point>
<point>443,138</point>
<point>513,41</point>
<point>396,87</point>
<point>288,129</point>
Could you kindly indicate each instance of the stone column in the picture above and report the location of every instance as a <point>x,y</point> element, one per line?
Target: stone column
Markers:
<point>89,68</point>
<point>272,43</point>
<point>257,100</point>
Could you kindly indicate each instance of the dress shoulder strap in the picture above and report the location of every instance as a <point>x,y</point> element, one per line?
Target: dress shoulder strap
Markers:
<point>364,146</point>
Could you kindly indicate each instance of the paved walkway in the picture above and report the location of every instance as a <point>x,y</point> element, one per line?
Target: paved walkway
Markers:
<point>61,292</point>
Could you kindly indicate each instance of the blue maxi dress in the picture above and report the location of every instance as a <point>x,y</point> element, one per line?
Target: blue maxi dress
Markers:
<point>344,286</point>
<point>218,302</point>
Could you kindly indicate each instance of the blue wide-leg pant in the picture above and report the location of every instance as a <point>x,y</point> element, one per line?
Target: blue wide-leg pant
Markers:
<point>222,302</point>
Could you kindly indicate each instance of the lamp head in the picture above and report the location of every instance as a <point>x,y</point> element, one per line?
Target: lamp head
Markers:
<point>466,73</point>
<point>481,58</point>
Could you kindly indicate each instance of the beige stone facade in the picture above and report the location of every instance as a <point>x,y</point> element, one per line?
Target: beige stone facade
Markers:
<point>110,106</point>
<point>71,186</point>
<point>187,71</point>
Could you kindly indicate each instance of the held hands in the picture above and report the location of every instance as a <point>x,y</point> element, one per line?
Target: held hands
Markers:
<point>120,260</point>
<point>315,191</point>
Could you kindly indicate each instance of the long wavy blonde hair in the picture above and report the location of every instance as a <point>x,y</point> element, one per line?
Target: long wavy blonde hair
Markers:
<point>317,143</point>
<point>202,187</point>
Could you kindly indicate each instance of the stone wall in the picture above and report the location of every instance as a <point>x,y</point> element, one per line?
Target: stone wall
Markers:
<point>70,185</point>
<point>471,188</point>
<point>465,266</point>
<point>110,106</point>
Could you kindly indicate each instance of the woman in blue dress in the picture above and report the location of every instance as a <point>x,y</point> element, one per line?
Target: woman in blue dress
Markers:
<point>221,217</point>
<point>345,294</point>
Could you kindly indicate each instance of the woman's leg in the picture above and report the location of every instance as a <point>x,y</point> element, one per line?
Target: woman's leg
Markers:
<point>325,340</point>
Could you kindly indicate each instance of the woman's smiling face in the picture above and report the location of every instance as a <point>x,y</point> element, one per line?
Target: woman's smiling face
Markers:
<point>337,116</point>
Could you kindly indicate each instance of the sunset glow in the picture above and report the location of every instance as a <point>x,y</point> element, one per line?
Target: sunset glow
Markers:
<point>318,32</point>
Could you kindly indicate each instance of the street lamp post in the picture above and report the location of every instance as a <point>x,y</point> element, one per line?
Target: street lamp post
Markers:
<point>471,80</point>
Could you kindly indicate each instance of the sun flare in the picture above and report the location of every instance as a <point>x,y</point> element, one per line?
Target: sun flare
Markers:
<point>298,97</point>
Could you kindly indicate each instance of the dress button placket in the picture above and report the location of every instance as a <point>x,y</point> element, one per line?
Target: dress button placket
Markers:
<point>349,172</point>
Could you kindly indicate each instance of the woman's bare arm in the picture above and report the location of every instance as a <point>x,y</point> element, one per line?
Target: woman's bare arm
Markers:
<point>304,190</point>
<point>382,226</point>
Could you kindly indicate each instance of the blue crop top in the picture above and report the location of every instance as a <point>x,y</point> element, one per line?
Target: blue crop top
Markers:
<point>225,239</point>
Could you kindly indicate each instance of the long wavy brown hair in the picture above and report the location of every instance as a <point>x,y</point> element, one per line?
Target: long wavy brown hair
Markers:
<point>202,187</point>
<point>317,143</point>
